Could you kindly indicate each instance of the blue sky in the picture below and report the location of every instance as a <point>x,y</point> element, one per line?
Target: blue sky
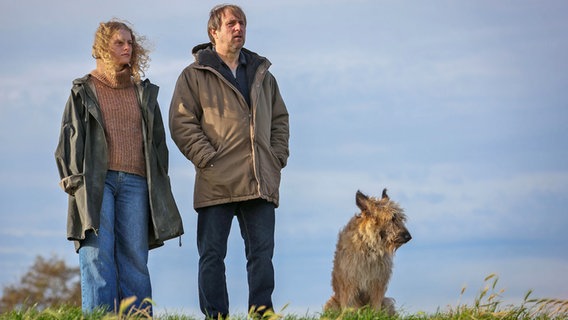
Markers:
<point>459,108</point>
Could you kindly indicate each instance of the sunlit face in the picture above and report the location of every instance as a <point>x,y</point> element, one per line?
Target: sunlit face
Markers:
<point>121,47</point>
<point>230,37</point>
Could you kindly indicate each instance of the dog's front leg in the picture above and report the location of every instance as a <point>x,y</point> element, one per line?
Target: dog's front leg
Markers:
<point>348,297</point>
<point>376,297</point>
<point>388,306</point>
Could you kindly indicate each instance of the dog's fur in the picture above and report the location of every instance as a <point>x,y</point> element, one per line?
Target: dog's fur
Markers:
<point>363,261</point>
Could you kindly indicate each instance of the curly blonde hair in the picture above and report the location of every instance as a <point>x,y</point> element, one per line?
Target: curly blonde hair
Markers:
<point>101,47</point>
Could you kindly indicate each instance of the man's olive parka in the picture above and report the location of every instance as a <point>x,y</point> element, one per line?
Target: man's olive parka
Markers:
<point>238,150</point>
<point>82,160</point>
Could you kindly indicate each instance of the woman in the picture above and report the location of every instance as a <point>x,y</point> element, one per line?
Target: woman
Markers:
<point>113,162</point>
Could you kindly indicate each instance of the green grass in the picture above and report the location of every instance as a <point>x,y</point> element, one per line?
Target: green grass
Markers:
<point>487,305</point>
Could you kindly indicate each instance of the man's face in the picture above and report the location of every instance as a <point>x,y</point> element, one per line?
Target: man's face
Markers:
<point>230,37</point>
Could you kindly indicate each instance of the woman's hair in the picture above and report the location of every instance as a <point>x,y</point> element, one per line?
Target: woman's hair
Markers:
<point>216,15</point>
<point>101,47</point>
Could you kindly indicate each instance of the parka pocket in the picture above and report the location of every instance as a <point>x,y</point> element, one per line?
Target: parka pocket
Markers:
<point>72,183</point>
<point>275,159</point>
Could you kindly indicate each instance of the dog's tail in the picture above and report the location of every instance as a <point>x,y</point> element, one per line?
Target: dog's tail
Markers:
<point>332,304</point>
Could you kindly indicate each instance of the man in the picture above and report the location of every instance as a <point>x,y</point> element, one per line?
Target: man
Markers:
<point>228,118</point>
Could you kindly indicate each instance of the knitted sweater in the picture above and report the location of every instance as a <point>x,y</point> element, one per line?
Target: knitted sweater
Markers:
<point>122,121</point>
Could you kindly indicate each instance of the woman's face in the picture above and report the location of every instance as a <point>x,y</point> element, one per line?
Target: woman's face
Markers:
<point>121,47</point>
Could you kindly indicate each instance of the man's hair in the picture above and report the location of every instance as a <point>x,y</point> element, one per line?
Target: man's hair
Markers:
<point>216,16</point>
<point>101,47</point>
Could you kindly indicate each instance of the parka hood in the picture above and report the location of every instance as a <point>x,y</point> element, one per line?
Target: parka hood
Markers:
<point>200,47</point>
<point>204,55</point>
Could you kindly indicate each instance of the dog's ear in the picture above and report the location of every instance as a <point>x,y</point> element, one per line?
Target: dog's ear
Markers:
<point>385,195</point>
<point>362,201</point>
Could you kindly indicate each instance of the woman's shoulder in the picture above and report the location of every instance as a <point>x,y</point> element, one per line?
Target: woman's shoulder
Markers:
<point>82,80</point>
<point>146,84</point>
<point>85,83</point>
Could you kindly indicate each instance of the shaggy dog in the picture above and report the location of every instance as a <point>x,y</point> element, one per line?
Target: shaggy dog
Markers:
<point>364,255</point>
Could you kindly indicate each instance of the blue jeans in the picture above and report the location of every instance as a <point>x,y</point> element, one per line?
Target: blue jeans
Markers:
<point>256,221</point>
<point>114,260</point>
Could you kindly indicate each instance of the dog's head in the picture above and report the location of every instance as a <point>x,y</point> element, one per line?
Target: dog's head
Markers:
<point>387,217</point>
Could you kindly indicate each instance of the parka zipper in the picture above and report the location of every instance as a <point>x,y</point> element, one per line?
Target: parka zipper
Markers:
<point>259,77</point>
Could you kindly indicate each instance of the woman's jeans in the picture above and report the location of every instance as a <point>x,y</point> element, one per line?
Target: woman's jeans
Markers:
<point>114,259</point>
<point>256,221</point>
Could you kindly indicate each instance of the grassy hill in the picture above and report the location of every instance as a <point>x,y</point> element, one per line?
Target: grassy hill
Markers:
<point>487,305</point>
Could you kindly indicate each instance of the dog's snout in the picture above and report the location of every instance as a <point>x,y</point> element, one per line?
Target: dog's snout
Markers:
<point>407,237</point>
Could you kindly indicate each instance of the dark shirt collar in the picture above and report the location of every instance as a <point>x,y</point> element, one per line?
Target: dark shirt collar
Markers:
<point>242,58</point>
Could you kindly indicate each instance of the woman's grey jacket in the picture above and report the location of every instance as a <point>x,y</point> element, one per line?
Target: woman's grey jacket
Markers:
<point>81,157</point>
